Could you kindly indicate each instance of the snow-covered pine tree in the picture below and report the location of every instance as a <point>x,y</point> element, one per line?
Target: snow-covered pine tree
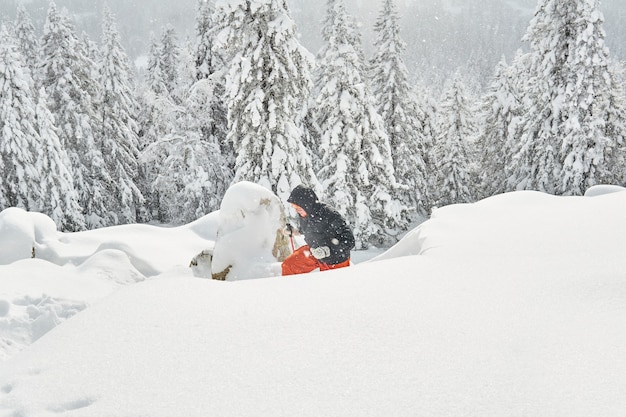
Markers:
<point>67,76</point>
<point>118,129</point>
<point>617,159</point>
<point>59,196</point>
<point>155,78</point>
<point>499,109</point>
<point>207,60</point>
<point>157,120</point>
<point>522,149</point>
<point>428,110</point>
<point>19,182</point>
<point>396,103</point>
<point>336,9</point>
<point>267,83</point>
<point>192,174</point>
<point>572,91</point>
<point>157,115</point>
<point>456,128</point>
<point>357,167</point>
<point>615,172</point>
<point>209,67</point>
<point>312,138</point>
<point>186,177</point>
<point>91,50</point>
<point>27,41</point>
<point>184,170</point>
<point>169,61</point>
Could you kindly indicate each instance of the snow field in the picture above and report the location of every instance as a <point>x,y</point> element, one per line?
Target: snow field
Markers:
<point>513,306</point>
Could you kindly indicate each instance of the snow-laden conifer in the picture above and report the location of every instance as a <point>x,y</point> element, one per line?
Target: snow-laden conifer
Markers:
<point>529,158</point>
<point>397,105</point>
<point>169,60</point>
<point>336,9</point>
<point>155,78</point>
<point>27,40</point>
<point>157,118</point>
<point>357,168</point>
<point>186,178</point>
<point>185,173</point>
<point>186,170</point>
<point>207,60</point>
<point>500,109</point>
<point>19,182</point>
<point>456,128</point>
<point>572,124</point>
<point>267,83</point>
<point>615,172</point>
<point>67,76</point>
<point>428,110</point>
<point>209,66</point>
<point>59,199</point>
<point>158,113</point>
<point>118,129</point>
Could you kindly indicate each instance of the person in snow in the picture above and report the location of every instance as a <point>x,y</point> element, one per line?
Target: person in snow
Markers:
<point>327,235</point>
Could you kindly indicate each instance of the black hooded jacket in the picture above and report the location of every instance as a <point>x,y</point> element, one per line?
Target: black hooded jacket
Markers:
<point>323,226</point>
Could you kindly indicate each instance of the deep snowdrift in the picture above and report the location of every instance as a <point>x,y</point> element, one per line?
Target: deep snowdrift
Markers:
<point>513,306</point>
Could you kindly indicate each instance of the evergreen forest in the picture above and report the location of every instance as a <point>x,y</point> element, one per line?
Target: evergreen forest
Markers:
<point>91,143</point>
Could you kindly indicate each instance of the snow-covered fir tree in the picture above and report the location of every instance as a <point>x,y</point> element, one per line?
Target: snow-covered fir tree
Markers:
<point>500,109</point>
<point>616,120</point>
<point>189,173</point>
<point>572,125</point>
<point>67,76</point>
<point>155,78</point>
<point>187,72</point>
<point>427,111</point>
<point>456,128</point>
<point>59,196</point>
<point>185,172</point>
<point>528,159</point>
<point>157,115</point>
<point>169,61</point>
<point>267,82</point>
<point>336,9</point>
<point>19,183</point>
<point>313,138</point>
<point>207,61</point>
<point>357,168</point>
<point>27,40</point>
<point>118,129</point>
<point>209,66</point>
<point>397,106</point>
<point>186,177</point>
<point>157,119</point>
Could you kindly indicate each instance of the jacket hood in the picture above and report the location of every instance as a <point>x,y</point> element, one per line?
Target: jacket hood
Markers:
<point>304,197</point>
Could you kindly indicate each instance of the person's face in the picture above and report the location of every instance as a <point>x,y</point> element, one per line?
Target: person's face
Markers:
<point>299,210</point>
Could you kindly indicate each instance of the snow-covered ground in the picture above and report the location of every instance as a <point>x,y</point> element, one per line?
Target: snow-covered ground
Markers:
<point>512,306</point>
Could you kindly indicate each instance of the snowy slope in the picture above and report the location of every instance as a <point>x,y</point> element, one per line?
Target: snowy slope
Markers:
<point>74,270</point>
<point>513,306</point>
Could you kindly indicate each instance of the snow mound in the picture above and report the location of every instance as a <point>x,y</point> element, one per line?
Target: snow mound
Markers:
<point>249,240</point>
<point>603,189</point>
<point>111,265</point>
<point>457,231</point>
<point>21,233</point>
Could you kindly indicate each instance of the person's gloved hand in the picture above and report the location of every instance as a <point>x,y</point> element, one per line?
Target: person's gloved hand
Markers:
<point>289,230</point>
<point>321,252</point>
